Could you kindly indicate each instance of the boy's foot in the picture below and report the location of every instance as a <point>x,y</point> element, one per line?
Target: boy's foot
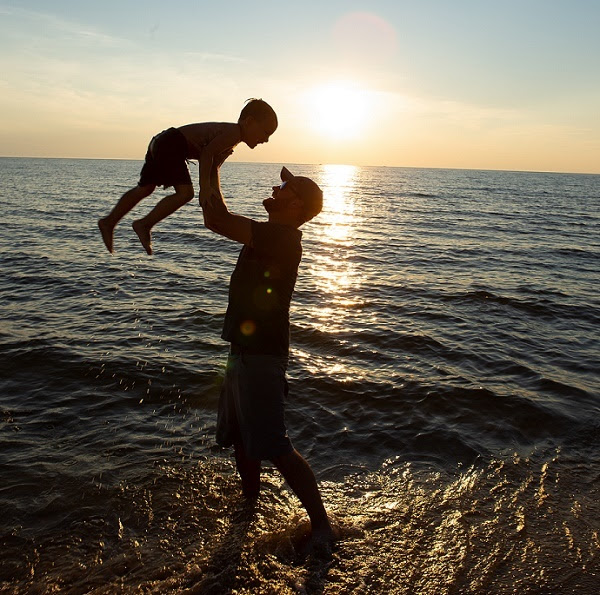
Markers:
<point>107,234</point>
<point>144,234</point>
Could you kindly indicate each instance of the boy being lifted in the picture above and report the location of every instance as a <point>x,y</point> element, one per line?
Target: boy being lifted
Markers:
<point>166,165</point>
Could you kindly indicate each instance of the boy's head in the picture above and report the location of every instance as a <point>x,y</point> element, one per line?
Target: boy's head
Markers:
<point>258,122</point>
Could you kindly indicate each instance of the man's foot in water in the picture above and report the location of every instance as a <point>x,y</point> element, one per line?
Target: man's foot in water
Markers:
<point>318,541</point>
<point>325,535</point>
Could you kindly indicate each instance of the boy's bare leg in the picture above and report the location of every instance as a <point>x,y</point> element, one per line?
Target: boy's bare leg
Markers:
<point>299,476</point>
<point>169,204</point>
<point>126,203</point>
<point>249,470</point>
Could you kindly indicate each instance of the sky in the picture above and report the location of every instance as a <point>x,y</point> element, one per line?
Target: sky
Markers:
<point>471,84</point>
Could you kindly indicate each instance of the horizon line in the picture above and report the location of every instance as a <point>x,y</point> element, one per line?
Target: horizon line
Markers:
<point>532,171</point>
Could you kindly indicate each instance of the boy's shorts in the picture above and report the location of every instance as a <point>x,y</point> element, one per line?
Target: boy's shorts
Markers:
<point>166,163</point>
<point>251,406</point>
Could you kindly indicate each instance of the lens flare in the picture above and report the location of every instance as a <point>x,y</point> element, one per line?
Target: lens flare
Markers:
<point>248,327</point>
<point>364,38</point>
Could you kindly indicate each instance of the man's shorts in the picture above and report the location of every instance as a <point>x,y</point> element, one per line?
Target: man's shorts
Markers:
<point>166,163</point>
<point>251,406</point>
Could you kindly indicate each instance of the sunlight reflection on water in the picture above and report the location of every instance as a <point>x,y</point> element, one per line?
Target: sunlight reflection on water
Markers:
<point>338,216</point>
<point>330,268</point>
<point>333,272</point>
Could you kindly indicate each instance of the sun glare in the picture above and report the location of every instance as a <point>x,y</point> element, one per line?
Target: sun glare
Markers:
<point>338,220</point>
<point>338,110</point>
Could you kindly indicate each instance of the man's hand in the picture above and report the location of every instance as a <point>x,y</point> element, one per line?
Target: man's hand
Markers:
<point>206,197</point>
<point>217,218</point>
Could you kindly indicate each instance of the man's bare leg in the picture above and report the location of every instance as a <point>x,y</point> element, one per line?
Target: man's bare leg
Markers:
<point>300,477</point>
<point>249,470</point>
<point>168,205</point>
<point>131,198</point>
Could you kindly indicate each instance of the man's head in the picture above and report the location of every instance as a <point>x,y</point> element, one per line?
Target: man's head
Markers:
<point>297,198</point>
<point>258,122</point>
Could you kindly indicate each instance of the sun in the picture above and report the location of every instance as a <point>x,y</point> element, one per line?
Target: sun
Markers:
<point>338,110</point>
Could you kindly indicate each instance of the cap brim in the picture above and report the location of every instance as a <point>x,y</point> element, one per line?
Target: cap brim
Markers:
<point>286,174</point>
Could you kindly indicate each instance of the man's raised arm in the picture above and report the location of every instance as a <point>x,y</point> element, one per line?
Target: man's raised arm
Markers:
<point>219,219</point>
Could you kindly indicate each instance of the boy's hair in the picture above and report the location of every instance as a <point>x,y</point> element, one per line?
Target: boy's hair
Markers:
<point>259,110</point>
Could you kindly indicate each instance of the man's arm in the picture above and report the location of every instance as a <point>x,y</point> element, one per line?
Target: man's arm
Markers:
<point>213,155</point>
<point>215,178</point>
<point>220,220</point>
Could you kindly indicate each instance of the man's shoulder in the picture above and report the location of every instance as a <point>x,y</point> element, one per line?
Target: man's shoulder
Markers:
<point>276,240</point>
<point>277,231</point>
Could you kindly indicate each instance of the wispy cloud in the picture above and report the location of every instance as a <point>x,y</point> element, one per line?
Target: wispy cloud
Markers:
<point>43,25</point>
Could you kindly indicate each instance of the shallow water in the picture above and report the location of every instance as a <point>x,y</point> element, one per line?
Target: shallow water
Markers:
<point>443,379</point>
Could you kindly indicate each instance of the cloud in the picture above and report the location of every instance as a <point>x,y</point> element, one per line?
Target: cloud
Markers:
<point>29,26</point>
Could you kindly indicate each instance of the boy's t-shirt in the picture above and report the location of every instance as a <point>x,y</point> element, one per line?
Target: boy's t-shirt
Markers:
<point>261,288</point>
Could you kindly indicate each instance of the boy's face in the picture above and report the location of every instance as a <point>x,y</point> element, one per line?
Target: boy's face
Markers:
<point>255,132</point>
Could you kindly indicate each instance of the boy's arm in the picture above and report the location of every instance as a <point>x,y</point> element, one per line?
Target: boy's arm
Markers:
<point>222,143</point>
<point>220,220</point>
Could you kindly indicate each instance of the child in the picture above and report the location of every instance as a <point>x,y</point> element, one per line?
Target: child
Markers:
<point>166,165</point>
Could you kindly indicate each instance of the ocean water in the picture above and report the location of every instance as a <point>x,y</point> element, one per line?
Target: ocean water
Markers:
<point>444,385</point>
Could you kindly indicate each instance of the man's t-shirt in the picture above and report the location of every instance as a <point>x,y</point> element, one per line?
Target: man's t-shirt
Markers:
<point>261,288</point>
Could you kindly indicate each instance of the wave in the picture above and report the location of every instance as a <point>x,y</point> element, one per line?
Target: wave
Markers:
<point>420,195</point>
<point>540,307</point>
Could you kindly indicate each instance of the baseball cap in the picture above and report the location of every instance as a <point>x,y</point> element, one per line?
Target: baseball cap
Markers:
<point>309,192</point>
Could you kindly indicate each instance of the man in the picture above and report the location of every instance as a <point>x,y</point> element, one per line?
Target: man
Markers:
<point>251,406</point>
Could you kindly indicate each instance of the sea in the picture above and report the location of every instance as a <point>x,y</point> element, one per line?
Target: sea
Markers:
<point>444,386</point>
